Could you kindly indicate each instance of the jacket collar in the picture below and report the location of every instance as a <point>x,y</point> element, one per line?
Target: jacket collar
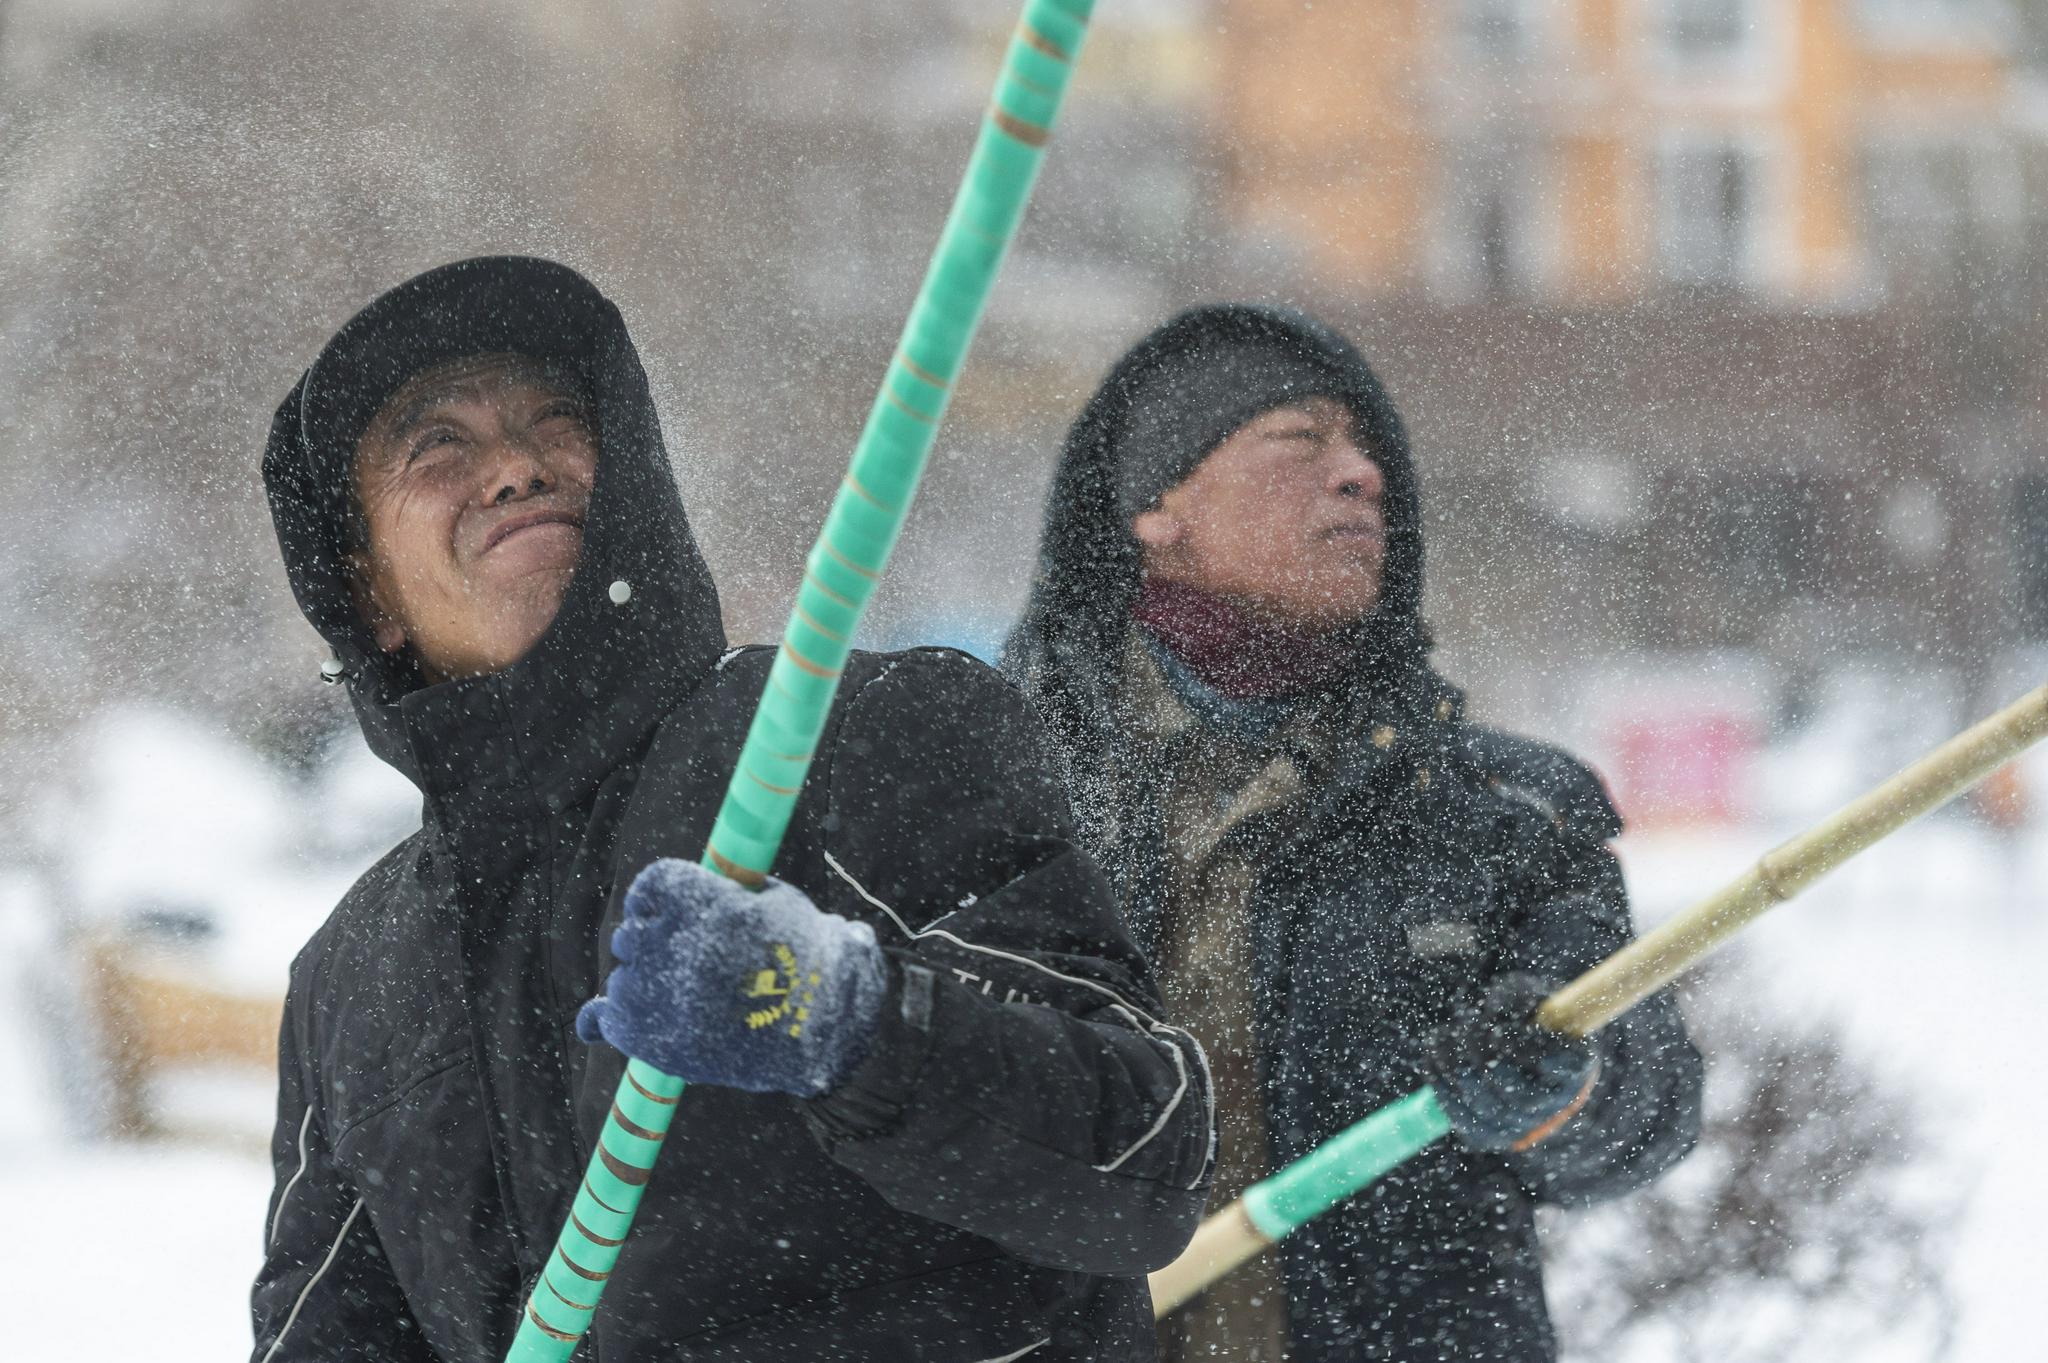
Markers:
<point>1160,702</point>
<point>554,726</point>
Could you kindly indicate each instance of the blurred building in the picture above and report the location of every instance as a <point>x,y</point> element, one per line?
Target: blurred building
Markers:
<point>194,196</point>
<point>1826,153</point>
<point>1718,320</point>
<point>824,144</point>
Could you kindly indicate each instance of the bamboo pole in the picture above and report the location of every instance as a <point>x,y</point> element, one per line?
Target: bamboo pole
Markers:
<point>843,569</point>
<point>1646,965</point>
<point>1352,1159</point>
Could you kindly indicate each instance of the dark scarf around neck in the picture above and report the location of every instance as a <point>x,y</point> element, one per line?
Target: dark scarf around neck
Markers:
<point>1235,651</point>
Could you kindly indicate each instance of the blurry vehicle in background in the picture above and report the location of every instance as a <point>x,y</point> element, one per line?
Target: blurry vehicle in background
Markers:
<point>176,878</point>
<point>159,1013</point>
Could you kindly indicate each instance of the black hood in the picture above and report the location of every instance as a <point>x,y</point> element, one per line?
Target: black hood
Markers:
<point>1066,648</point>
<point>606,670</point>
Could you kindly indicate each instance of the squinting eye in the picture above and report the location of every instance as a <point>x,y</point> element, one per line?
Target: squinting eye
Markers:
<point>430,441</point>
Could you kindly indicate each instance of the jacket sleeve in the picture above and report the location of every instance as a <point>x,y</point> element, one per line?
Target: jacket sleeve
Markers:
<point>1023,1086</point>
<point>325,1291</point>
<point>1643,1115</point>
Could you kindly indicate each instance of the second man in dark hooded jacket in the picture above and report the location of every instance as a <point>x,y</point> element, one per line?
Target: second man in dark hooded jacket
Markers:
<point>1348,888</point>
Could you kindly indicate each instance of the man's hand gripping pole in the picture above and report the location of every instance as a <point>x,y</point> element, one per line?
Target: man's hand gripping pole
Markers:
<point>1355,1157</point>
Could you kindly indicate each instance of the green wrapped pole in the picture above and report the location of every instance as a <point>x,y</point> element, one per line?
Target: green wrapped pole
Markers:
<point>1275,1207</point>
<point>841,574</point>
<point>1352,1159</point>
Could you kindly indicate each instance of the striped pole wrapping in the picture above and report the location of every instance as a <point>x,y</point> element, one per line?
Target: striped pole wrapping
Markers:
<point>868,511</point>
<point>1289,1199</point>
<point>566,1296</point>
<point>1348,1161</point>
<point>841,574</point>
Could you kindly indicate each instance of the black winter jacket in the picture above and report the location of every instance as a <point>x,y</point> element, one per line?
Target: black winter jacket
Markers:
<point>1438,855</point>
<point>1026,1138</point>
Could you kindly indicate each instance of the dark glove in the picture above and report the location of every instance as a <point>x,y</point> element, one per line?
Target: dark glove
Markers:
<point>1505,1082</point>
<point>719,984</point>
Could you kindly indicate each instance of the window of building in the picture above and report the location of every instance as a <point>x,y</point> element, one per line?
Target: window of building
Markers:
<point>1941,211</point>
<point>2030,531</point>
<point>1492,221</point>
<point>1707,31</point>
<point>1709,210</point>
<point>1505,30</point>
<point>1757,539</point>
<point>1908,20</point>
<point>833,228</point>
<point>1737,538</point>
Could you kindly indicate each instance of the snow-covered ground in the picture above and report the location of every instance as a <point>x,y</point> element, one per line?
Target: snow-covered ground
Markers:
<point>136,1253</point>
<point>1929,951</point>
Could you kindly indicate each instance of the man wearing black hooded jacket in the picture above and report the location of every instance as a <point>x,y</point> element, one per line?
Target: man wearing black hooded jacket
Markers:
<point>1348,888</point>
<point>985,1136</point>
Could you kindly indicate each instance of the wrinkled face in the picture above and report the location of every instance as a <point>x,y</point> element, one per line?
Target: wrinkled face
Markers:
<point>474,480</point>
<point>1285,516</point>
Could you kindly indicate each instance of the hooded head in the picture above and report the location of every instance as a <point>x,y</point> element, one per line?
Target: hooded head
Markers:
<point>1165,406</point>
<point>639,616</point>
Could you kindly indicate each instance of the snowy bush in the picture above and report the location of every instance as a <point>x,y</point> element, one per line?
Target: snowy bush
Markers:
<point>1812,1223</point>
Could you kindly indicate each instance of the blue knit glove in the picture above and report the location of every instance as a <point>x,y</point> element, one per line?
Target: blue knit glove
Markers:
<point>719,984</point>
<point>1505,1082</point>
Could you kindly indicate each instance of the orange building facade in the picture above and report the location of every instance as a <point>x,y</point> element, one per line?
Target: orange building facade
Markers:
<point>1822,153</point>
